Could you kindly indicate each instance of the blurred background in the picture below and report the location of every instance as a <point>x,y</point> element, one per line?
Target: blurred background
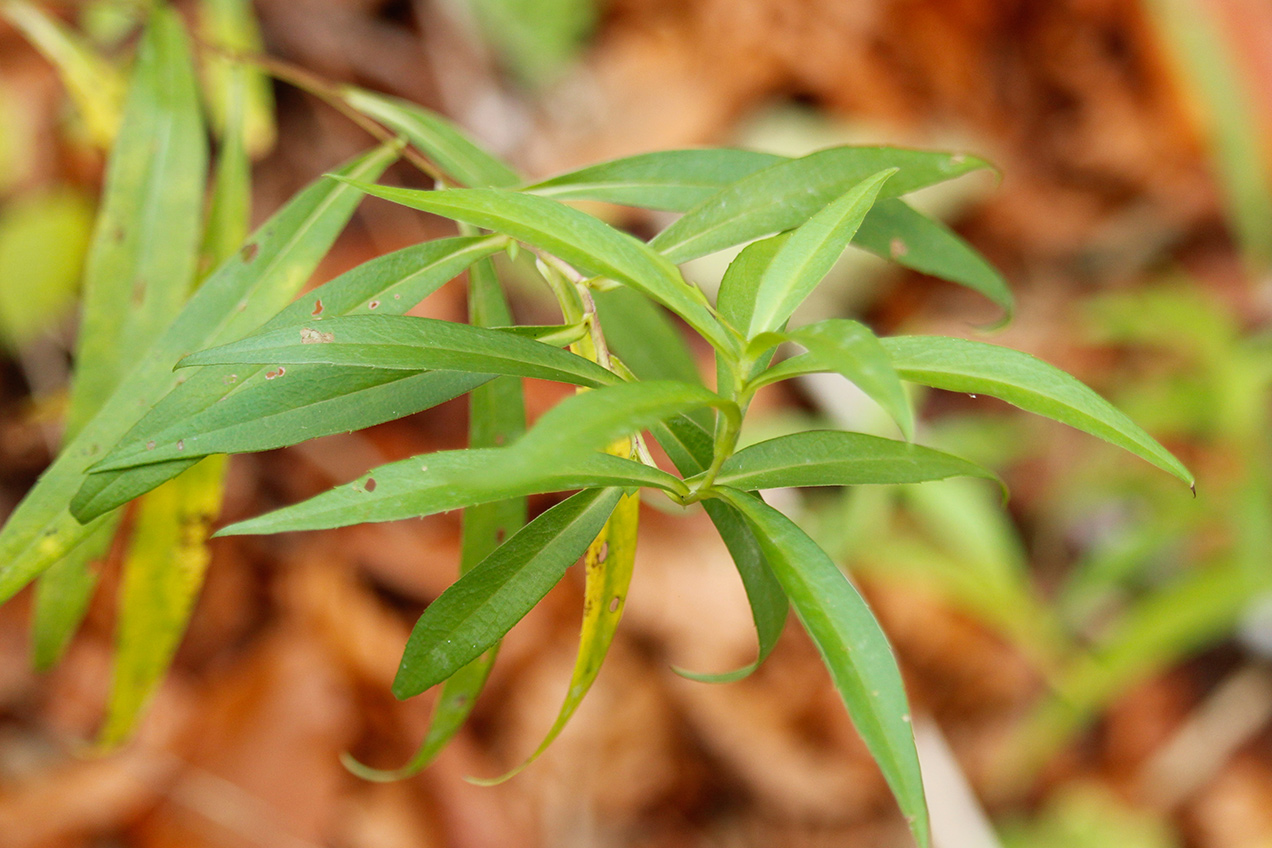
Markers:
<point>1089,663</point>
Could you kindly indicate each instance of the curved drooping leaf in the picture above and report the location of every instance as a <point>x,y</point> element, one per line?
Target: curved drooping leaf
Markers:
<point>485,603</point>
<point>690,446</point>
<point>1022,380</point>
<point>836,458</point>
<point>850,349</point>
<point>406,343</point>
<point>391,284</point>
<point>437,482</point>
<point>436,137</point>
<point>585,242</point>
<point>787,194</point>
<point>804,259</point>
<point>670,180</point>
<point>852,646</point>
<point>497,416</point>
<point>609,561</point>
<point>140,267</point>
<point>251,285</point>
<point>895,230</point>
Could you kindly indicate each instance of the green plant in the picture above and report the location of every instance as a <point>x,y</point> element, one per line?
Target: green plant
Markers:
<point>253,372</point>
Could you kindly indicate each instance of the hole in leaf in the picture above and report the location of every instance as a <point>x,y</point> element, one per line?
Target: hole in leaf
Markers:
<point>317,308</point>
<point>370,484</point>
<point>614,602</point>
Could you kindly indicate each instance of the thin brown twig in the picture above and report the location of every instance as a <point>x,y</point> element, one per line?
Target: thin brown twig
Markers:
<point>329,93</point>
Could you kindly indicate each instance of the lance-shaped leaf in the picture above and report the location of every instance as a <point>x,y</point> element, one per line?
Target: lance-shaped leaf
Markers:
<point>93,83</point>
<point>835,458</point>
<point>670,180</point>
<point>587,243</point>
<point>321,402</point>
<point>406,343</point>
<point>1027,382</point>
<point>257,415</point>
<point>894,230</point>
<point>496,417</point>
<point>805,258</point>
<point>847,348</point>
<point>437,482</point>
<point>787,194</point>
<point>231,25</point>
<point>609,561</point>
<point>233,301</point>
<point>690,446</point>
<point>553,456</point>
<point>678,180</point>
<point>142,260</point>
<point>162,574</point>
<point>852,646</point>
<point>439,139</point>
<point>230,208</point>
<point>140,268</point>
<point>484,604</point>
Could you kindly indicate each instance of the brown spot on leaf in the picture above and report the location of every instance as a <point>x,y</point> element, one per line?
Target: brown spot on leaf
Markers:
<point>249,251</point>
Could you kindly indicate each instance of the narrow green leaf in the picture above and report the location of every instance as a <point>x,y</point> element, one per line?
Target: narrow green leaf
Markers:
<point>139,271</point>
<point>609,561</point>
<point>406,343</point>
<point>242,409</point>
<point>801,263</point>
<point>232,302</point>
<point>850,349</point>
<point>764,594</point>
<point>230,208</point>
<point>162,575</point>
<point>436,137</point>
<point>326,400</point>
<point>835,458</point>
<point>94,85</point>
<point>854,649</point>
<point>231,26</point>
<point>142,260</point>
<point>496,417</point>
<point>787,194</point>
<point>740,285</point>
<point>1024,381</point>
<point>894,230</point>
<point>486,602</point>
<point>690,446</point>
<point>437,482</point>
<point>587,243</point>
<point>670,180</point>
<point>678,180</point>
